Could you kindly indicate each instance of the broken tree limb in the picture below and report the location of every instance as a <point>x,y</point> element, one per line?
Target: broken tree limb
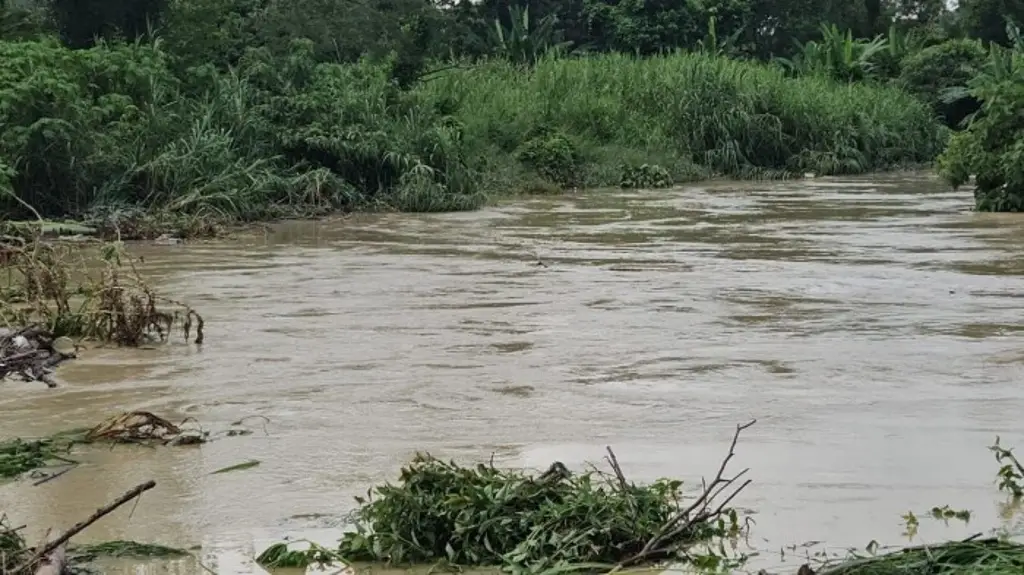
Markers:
<point>699,511</point>
<point>81,525</point>
<point>54,563</point>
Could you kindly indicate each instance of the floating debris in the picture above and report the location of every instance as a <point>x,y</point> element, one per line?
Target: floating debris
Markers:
<point>238,467</point>
<point>125,549</point>
<point>32,353</point>
<point>143,427</point>
<point>971,556</point>
<point>279,556</point>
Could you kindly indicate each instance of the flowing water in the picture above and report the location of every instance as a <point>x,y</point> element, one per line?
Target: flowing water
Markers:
<point>872,327</point>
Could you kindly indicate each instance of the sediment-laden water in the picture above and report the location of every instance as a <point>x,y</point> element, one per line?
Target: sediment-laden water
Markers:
<point>872,326</point>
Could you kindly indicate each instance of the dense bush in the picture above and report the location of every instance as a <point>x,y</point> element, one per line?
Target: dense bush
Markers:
<point>932,72</point>
<point>992,147</point>
<point>111,125</point>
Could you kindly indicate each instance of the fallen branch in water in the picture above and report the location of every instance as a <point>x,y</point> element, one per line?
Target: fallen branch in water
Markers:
<point>53,563</point>
<point>81,525</point>
<point>699,512</point>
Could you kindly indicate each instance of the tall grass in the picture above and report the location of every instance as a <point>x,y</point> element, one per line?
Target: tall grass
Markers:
<point>731,117</point>
<point>115,129</point>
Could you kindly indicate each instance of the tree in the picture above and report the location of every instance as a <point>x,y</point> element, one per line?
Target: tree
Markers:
<point>81,22</point>
<point>986,19</point>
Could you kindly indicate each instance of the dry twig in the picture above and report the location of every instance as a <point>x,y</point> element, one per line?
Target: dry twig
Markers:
<point>699,512</point>
<point>77,528</point>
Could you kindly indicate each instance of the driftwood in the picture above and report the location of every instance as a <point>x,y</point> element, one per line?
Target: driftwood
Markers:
<point>54,563</point>
<point>47,550</point>
<point>30,353</point>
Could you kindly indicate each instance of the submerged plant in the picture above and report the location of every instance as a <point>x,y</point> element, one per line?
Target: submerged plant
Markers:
<point>1010,476</point>
<point>48,285</point>
<point>13,549</point>
<point>975,556</point>
<point>645,176</point>
<point>18,456</point>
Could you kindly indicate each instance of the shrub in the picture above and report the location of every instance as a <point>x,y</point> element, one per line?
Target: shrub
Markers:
<point>112,126</point>
<point>931,73</point>
<point>992,147</point>
<point>740,119</point>
<point>645,176</point>
<point>553,155</point>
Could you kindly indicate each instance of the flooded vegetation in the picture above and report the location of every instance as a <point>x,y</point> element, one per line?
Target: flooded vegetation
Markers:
<point>867,324</point>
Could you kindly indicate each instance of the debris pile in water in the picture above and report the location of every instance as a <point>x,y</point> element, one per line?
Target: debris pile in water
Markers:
<point>971,556</point>
<point>145,428</point>
<point>19,456</point>
<point>33,353</point>
<point>484,516</point>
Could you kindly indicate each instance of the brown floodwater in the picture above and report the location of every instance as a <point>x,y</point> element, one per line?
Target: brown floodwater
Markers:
<point>873,327</point>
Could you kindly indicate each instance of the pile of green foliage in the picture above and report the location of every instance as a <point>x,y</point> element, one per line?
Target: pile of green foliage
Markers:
<point>482,515</point>
<point>992,147</point>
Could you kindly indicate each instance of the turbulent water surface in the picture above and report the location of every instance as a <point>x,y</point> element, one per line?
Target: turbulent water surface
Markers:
<point>872,327</point>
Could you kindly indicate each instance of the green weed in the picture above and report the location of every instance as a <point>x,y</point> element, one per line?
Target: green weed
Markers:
<point>126,549</point>
<point>975,556</point>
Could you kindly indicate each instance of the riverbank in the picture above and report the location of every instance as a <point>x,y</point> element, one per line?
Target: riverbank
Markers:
<point>139,142</point>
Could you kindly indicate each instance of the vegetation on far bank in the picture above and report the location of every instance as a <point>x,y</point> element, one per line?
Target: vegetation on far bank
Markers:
<point>148,116</point>
<point>145,116</point>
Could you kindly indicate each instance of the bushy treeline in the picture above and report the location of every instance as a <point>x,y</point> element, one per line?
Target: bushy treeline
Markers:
<point>248,109</point>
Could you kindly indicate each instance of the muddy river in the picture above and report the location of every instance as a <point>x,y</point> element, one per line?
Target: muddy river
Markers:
<point>873,327</point>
